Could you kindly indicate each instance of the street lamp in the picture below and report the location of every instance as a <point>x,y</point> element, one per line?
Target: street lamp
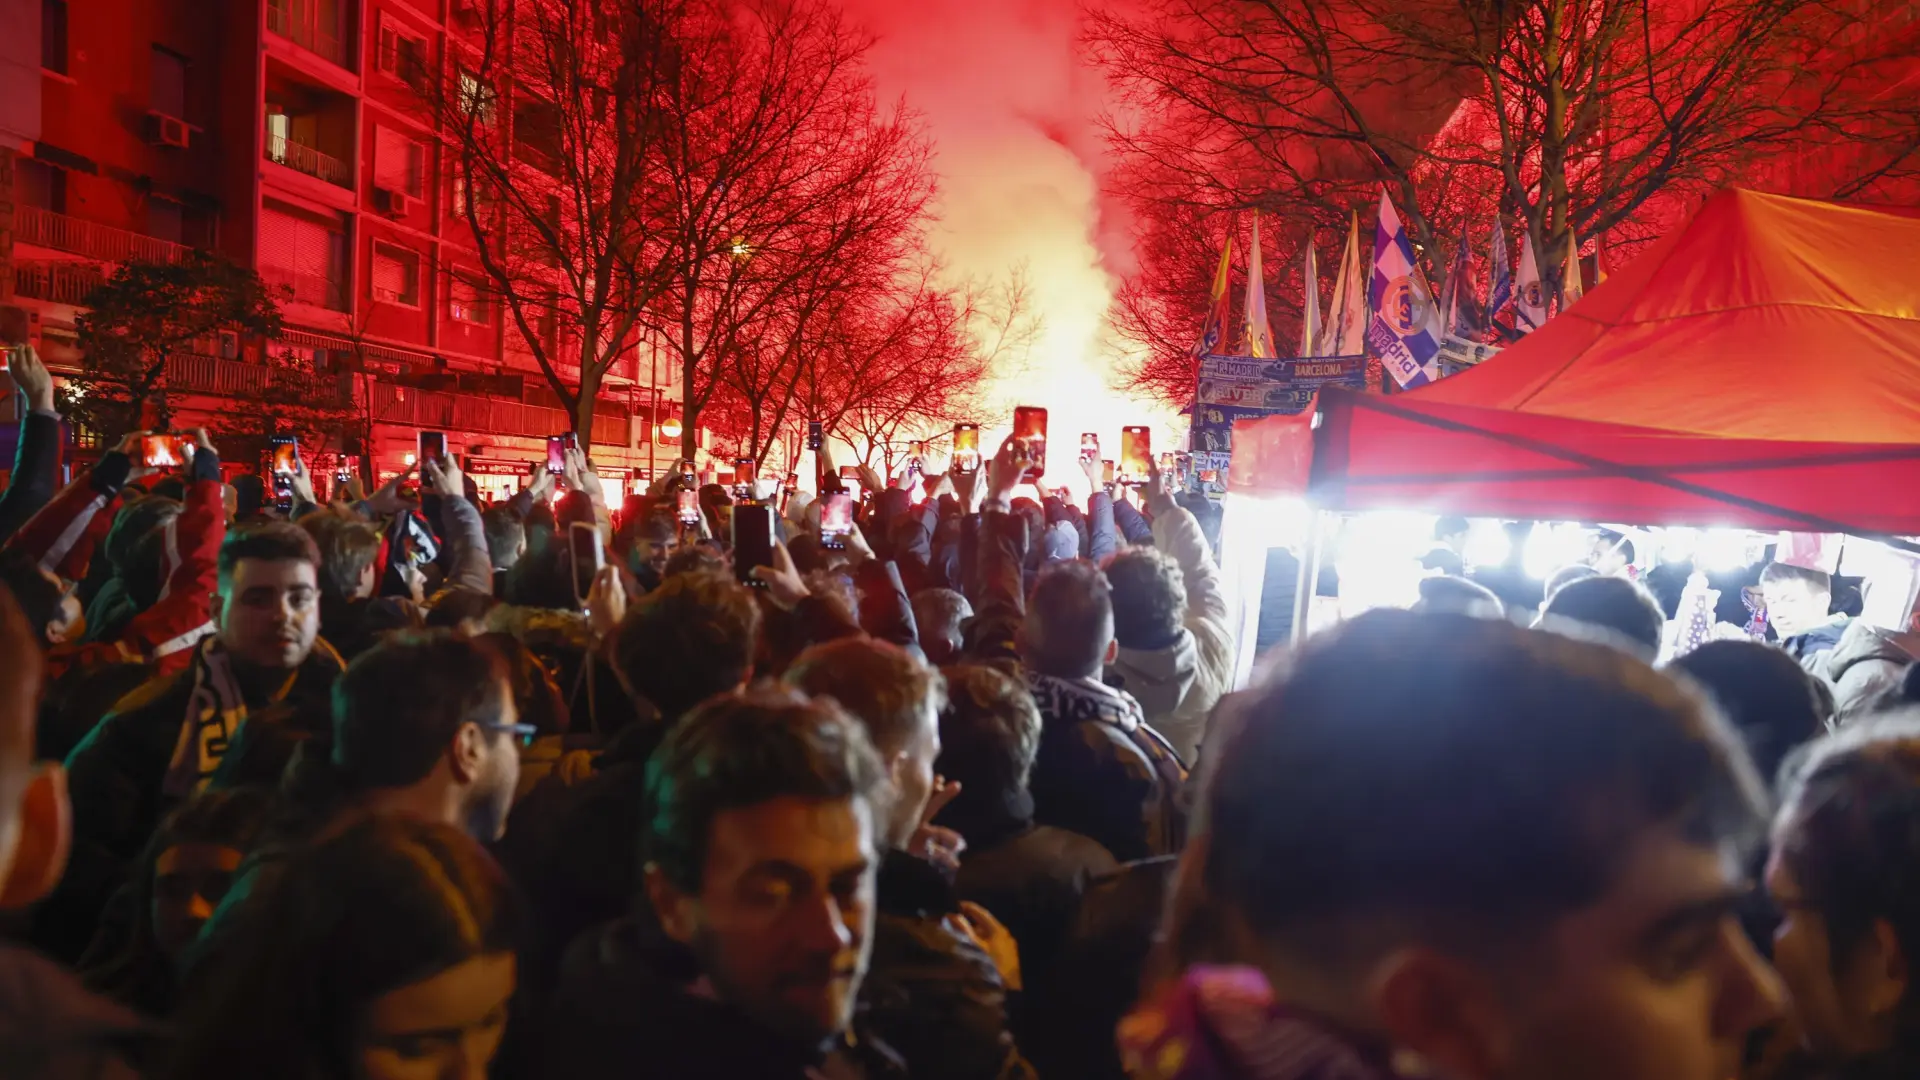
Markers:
<point>741,248</point>
<point>670,427</point>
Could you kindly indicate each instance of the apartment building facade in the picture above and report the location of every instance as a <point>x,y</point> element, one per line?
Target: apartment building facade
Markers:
<point>289,136</point>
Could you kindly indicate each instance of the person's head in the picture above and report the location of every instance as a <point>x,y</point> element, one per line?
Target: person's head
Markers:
<point>1798,599</point>
<point>1069,626</point>
<point>432,715</point>
<point>137,545</point>
<point>659,538</point>
<point>695,559</point>
<point>349,548</point>
<point>940,615</point>
<point>536,697</point>
<point>1615,606</point>
<point>383,950</point>
<point>268,606</point>
<point>989,735</point>
<point>1611,552</point>
<point>458,607</point>
<point>249,495</point>
<point>689,639</point>
<point>1448,595</point>
<point>35,821</point>
<point>1451,532</point>
<point>49,606</point>
<point>1845,876</point>
<point>575,507</point>
<point>1512,853</point>
<point>761,843</point>
<point>1763,693</point>
<point>1149,598</point>
<point>898,698</point>
<point>1566,576</point>
<point>506,536</point>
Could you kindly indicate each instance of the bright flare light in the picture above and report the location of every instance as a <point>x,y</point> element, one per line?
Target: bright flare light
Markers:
<point>1552,545</point>
<point>1487,543</point>
<point>1379,560</point>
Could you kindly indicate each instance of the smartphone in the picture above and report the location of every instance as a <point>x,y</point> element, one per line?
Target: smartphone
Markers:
<point>284,452</point>
<point>433,447</point>
<point>1106,471</point>
<point>1136,454</point>
<point>342,477</point>
<point>689,505</point>
<point>1030,423</point>
<point>743,477</point>
<point>1089,447</point>
<point>165,450</point>
<point>966,448</point>
<point>815,435</point>
<point>849,472</point>
<point>752,540</point>
<point>556,454</point>
<point>836,520</point>
<point>583,543</point>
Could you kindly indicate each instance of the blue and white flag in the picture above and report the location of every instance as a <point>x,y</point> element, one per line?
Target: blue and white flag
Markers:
<point>1405,330</point>
<point>1530,302</point>
<point>1500,289</point>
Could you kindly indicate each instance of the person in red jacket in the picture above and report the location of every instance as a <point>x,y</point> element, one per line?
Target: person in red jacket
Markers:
<point>56,545</point>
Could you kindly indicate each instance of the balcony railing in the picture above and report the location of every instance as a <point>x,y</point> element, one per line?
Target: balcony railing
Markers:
<point>466,412</point>
<point>302,158</point>
<point>66,282</point>
<point>211,375</point>
<point>315,289</point>
<point>32,225</point>
<point>294,20</point>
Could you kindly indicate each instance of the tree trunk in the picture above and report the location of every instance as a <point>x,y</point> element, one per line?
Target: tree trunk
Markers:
<point>689,412</point>
<point>590,376</point>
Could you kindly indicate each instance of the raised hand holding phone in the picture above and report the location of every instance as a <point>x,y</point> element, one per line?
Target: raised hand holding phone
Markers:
<point>32,377</point>
<point>1006,472</point>
<point>782,582</point>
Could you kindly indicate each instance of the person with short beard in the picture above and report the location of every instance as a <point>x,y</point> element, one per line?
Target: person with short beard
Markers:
<point>761,842</point>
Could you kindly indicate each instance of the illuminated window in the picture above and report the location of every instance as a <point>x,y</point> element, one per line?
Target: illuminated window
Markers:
<point>467,302</point>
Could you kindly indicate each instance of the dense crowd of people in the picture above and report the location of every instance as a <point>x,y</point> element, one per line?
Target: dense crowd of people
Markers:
<point>403,785</point>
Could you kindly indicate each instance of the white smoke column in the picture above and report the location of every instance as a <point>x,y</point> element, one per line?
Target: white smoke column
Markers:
<point>1011,104</point>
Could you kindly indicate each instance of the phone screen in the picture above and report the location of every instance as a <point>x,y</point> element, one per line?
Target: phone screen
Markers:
<point>836,519</point>
<point>689,505</point>
<point>1136,454</point>
<point>752,539</point>
<point>814,435</point>
<point>433,447</point>
<point>583,541</point>
<point>966,447</point>
<point>165,451</point>
<point>849,472</point>
<point>1089,446</point>
<point>286,452</point>
<point>556,454</point>
<point>1030,423</point>
<point>1106,471</point>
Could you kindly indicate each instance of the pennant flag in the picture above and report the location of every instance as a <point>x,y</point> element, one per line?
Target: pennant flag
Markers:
<point>1570,287</point>
<point>1599,258</point>
<point>1530,297</point>
<point>1310,304</point>
<point>1405,329</point>
<point>1259,331</point>
<point>1345,331</point>
<point>1460,294</point>
<point>1213,331</point>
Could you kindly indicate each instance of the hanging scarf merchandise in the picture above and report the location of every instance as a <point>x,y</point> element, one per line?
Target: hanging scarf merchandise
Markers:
<point>215,711</point>
<point>1222,1023</point>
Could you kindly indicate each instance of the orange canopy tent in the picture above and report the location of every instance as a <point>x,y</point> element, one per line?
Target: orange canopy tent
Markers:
<point>1758,367</point>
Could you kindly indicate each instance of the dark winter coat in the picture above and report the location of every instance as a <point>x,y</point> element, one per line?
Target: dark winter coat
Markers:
<point>51,1028</point>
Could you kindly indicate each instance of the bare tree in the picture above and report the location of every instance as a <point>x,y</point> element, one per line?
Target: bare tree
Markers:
<point>1562,118</point>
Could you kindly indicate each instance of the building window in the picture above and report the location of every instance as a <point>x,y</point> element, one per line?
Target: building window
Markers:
<point>459,196</point>
<point>402,54</point>
<point>41,185</point>
<point>168,95</point>
<point>305,254</point>
<point>53,35</point>
<point>536,132</point>
<point>476,98</point>
<point>396,275</point>
<point>166,219</point>
<point>467,301</point>
<point>399,163</point>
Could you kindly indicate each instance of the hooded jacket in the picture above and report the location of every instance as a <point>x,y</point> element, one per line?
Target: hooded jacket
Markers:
<point>1861,666</point>
<point>1179,683</point>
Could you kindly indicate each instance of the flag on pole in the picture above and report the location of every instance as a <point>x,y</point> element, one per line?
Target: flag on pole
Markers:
<point>1309,304</point>
<point>1405,330</point>
<point>1344,333</point>
<point>1599,258</point>
<point>1530,297</point>
<point>1460,295</point>
<point>1213,332</point>
<point>1570,287</point>
<point>1500,289</point>
<point>1259,330</point>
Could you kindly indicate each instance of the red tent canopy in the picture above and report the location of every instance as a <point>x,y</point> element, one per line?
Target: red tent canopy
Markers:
<point>1759,367</point>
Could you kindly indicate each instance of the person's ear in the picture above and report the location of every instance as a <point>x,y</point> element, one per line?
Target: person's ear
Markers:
<point>673,908</point>
<point>1881,968</point>
<point>1113,651</point>
<point>468,754</point>
<point>46,837</point>
<point>1436,1007</point>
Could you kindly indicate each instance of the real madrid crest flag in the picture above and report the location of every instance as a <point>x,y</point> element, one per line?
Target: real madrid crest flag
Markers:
<point>1405,330</point>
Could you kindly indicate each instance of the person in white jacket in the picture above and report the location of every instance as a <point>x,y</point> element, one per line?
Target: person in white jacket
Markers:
<point>1170,620</point>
